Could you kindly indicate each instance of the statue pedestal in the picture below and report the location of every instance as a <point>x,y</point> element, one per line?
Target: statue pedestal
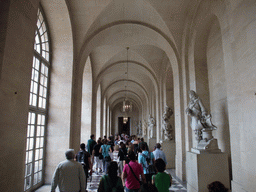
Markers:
<point>202,169</point>
<point>169,149</point>
<point>151,143</point>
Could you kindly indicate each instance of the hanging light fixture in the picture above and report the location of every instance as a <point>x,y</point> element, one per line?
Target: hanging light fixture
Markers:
<point>125,119</point>
<point>127,105</point>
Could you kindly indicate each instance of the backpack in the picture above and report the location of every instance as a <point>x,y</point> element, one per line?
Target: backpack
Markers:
<point>150,168</point>
<point>82,158</point>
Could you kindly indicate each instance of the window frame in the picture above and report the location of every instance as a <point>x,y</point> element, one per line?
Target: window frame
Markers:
<point>36,137</point>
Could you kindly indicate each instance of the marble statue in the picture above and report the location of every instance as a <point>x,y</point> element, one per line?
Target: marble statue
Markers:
<point>144,127</point>
<point>201,123</point>
<point>136,128</point>
<point>151,126</point>
<point>167,128</point>
<point>140,128</point>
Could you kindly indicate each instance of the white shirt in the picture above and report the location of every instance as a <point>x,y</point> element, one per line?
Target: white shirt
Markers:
<point>159,154</point>
<point>69,176</point>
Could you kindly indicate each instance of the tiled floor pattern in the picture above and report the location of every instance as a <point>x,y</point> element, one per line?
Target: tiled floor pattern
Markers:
<point>93,183</point>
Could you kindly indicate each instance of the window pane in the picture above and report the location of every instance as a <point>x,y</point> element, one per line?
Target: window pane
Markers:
<point>46,71</point>
<point>43,54</point>
<point>45,82</point>
<point>47,56</point>
<point>41,153</point>
<point>46,46</point>
<point>37,39</point>
<point>40,102</point>
<point>43,27</point>
<point>30,156</point>
<point>28,169</point>
<point>38,130</point>
<point>39,118</point>
<point>33,118</point>
<point>29,117</point>
<point>41,91</point>
<point>43,46</point>
<point>46,36</point>
<point>35,88</point>
<point>36,75</point>
<point>45,92</point>
<point>42,80</point>
<point>27,144</point>
<point>34,100</point>
<point>37,154</point>
<point>32,129</point>
<point>39,176</point>
<point>37,65</point>
<point>28,182</point>
<point>30,99</point>
<point>36,167</point>
<point>35,178</point>
<point>31,143</point>
<point>40,165</point>
<point>42,141</point>
<point>44,103</point>
<point>42,68</point>
<point>41,31</point>
<point>37,142</point>
<point>43,120</point>
<point>28,131</point>
<point>38,23</point>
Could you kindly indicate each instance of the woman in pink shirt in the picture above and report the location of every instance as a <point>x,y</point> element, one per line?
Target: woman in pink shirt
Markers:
<point>131,174</point>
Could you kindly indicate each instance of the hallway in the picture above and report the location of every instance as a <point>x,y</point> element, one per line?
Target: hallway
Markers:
<point>92,185</point>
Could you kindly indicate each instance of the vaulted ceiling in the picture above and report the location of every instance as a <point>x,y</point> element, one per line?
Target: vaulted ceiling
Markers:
<point>103,29</point>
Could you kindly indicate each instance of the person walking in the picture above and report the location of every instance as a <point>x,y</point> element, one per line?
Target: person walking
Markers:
<point>146,159</point>
<point>158,153</point>
<point>131,174</point>
<point>162,180</point>
<point>91,143</point>
<point>69,175</point>
<point>111,181</point>
<point>83,157</point>
<point>96,156</point>
<point>106,156</point>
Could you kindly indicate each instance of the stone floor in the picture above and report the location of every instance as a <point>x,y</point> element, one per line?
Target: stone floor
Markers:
<point>93,182</point>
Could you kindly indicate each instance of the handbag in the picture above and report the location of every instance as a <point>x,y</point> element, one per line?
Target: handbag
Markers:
<point>135,175</point>
<point>100,156</point>
<point>107,158</point>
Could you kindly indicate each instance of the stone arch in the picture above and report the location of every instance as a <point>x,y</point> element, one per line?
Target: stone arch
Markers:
<point>86,102</point>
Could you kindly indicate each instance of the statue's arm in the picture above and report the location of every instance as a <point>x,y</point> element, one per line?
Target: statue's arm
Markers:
<point>203,110</point>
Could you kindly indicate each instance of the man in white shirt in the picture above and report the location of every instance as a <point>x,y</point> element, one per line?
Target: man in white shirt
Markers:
<point>69,175</point>
<point>158,153</point>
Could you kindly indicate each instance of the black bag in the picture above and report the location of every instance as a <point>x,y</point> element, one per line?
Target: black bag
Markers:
<point>107,158</point>
<point>100,156</point>
<point>82,157</point>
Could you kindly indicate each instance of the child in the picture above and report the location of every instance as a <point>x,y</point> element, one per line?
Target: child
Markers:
<point>161,180</point>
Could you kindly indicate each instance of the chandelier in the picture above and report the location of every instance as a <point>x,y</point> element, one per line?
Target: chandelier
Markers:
<point>125,119</point>
<point>127,105</point>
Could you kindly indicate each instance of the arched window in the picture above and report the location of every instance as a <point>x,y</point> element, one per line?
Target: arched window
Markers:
<point>37,116</point>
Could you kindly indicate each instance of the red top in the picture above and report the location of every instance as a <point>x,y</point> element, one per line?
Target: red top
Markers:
<point>131,182</point>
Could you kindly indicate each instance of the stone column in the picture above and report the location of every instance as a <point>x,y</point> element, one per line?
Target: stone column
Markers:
<point>18,25</point>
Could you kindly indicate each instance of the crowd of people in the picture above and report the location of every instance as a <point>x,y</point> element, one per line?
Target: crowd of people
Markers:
<point>125,163</point>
